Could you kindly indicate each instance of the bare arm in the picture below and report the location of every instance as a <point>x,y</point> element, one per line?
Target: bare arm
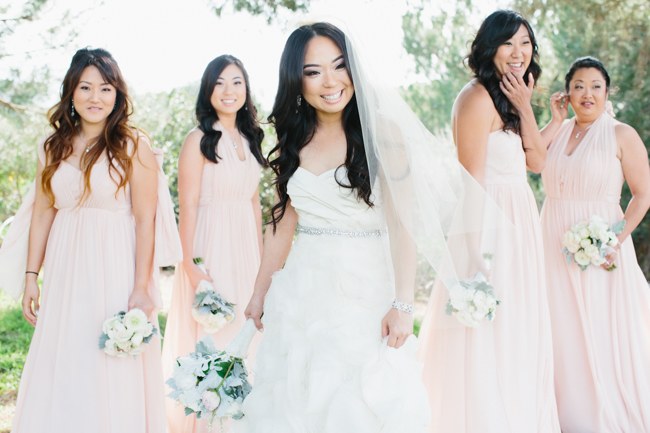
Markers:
<point>39,230</point>
<point>276,249</point>
<point>520,96</point>
<point>559,112</point>
<point>257,211</point>
<point>473,117</point>
<point>190,173</point>
<point>144,198</point>
<point>634,160</point>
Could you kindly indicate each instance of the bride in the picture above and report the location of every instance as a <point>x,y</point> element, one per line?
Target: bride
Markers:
<point>337,353</point>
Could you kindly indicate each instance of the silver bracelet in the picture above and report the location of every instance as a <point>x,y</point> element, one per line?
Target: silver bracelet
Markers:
<point>402,306</point>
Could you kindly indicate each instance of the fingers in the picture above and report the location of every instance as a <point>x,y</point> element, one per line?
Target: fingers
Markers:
<point>385,330</point>
<point>531,81</point>
<point>258,323</point>
<point>28,314</point>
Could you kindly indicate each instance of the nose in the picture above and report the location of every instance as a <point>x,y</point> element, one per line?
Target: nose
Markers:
<point>329,78</point>
<point>94,95</point>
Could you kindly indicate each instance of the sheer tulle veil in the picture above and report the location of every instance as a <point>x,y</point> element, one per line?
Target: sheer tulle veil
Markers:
<point>426,192</point>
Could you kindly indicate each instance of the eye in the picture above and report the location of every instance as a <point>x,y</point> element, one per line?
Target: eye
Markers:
<point>84,87</point>
<point>341,65</point>
<point>526,42</point>
<point>106,89</point>
<point>507,43</point>
<point>237,83</point>
<point>218,83</point>
<point>310,73</point>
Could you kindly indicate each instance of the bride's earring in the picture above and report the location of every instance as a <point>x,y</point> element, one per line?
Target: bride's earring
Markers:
<point>71,109</point>
<point>298,102</point>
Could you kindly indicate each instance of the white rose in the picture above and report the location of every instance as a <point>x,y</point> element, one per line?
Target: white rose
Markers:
<point>136,320</point>
<point>136,340</point>
<point>583,233</point>
<point>592,251</point>
<point>110,348</point>
<point>190,398</point>
<point>184,380</point>
<point>597,261</point>
<point>110,324</point>
<point>584,243</point>
<point>210,400</point>
<point>582,258</point>
<point>571,242</point>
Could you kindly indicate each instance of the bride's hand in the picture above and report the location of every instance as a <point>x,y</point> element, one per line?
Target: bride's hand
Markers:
<point>397,326</point>
<point>255,310</point>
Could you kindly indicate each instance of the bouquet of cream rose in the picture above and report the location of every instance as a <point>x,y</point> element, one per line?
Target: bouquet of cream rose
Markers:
<point>125,333</point>
<point>589,242</point>
<point>213,383</point>
<point>210,309</point>
<point>472,301</point>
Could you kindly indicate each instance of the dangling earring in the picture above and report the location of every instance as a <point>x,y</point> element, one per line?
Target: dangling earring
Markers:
<point>71,109</point>
<point>246,107</point>
<point>298,102</point>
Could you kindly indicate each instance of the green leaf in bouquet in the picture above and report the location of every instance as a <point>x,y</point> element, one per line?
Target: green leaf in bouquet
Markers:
<point>618,227</point>
<point>188,411</point>
<point>102,340</point>
<point>198,260</point>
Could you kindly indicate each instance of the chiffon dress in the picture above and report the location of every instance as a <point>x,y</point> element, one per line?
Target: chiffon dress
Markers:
<point>322,366</point>
<point>601,319</point>
<point>498,377</point>
<point>227,238</point>
<point>68,384</point>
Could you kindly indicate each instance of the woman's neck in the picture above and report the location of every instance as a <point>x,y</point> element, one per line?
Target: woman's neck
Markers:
<point>229,122</point>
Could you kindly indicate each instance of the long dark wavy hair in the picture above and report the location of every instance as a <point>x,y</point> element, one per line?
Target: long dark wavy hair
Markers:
<point>295,124</point>
<point>114,139</point>
<point>206,115</point>
<point>583,63</point>
<point>495,30</point>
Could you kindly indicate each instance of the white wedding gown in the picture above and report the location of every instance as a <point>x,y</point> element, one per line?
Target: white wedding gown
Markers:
<point>322,366</point>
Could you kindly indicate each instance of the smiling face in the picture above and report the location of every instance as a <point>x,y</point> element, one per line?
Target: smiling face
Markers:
<point>515,54</point>
<point>326,84</point>
<point>93,98</point>
<point>588,94</point>
<point>229,93</point>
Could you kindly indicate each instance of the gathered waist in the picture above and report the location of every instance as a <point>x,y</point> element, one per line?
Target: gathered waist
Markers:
<point>615,200</point>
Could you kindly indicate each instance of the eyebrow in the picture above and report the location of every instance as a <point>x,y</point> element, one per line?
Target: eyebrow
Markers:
<point>234,78</point>
<point>314,65</point>
<point>88,82</point>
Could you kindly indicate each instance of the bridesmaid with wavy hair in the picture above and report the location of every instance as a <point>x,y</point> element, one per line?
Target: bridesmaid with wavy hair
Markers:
<point>220,214</point>
<point>498,377</point>
<point>97,206</point>
<point>601,318</point>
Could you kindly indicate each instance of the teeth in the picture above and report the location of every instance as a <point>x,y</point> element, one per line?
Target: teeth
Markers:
<point>228,101</point>
<point>332,97</point>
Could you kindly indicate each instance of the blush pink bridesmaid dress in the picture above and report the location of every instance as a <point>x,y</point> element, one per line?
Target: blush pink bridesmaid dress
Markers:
<point>601,319</point>
<point>68,384</point>
<point>498,377</point>
<point>227,239</point>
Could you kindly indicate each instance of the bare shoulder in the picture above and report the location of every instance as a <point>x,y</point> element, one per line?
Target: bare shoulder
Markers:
<point>474,105</point>
<point>474,94</point>
<point>625,133</point>
<point>193,139</point>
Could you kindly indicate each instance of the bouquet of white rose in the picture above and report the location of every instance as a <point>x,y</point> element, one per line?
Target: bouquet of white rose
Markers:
<point>125,333</point>
<point>589,242</point>
<point>210,309</point>
<point>214,383</point>
<point>472,301</point>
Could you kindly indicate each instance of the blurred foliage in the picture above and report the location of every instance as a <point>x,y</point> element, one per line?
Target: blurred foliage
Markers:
<point>269,9</point>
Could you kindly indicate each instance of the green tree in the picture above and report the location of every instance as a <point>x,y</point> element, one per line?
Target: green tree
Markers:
<point>269,9</point>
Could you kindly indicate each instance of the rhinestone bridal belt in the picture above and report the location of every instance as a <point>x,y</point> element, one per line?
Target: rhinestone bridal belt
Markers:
<point>316,231</point>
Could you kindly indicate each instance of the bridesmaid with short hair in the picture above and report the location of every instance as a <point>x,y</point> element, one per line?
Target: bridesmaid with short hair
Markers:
<point>600,317</point>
